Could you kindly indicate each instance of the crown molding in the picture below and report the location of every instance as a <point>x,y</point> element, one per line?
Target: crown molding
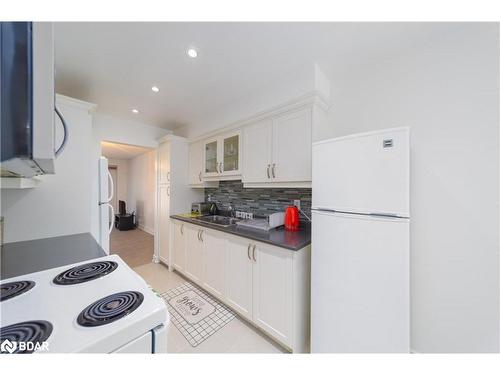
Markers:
<point>90,107</point>
<point>314,97</point>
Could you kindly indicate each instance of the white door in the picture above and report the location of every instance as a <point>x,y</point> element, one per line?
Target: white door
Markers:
<point>363,173</point>
<point>194,253</point>
<point>164,222</point>
<point>359,284</point>
<point>164,162</point>
<point>239,276</point>
<point>196,163</point>
<point>257,152</point>
<point>179,250</point>
<point>292,142</point>
<point>272,291</point>
<point>214,258</point>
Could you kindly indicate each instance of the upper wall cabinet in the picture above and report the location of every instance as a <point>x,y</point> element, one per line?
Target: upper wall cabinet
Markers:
<point>277,152</point>
<point>222,157</point>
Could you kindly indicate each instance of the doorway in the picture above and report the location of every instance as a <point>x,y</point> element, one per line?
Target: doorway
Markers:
<point>133,170</point>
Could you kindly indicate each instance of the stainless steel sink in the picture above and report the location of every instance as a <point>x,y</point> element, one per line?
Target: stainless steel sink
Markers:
<point>223,221</point>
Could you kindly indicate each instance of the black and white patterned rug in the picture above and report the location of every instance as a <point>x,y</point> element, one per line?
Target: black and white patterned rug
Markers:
<point>195,313</point>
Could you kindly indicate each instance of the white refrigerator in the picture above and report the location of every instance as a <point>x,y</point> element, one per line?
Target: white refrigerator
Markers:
<point>106,211</point>
<point>360,276</point>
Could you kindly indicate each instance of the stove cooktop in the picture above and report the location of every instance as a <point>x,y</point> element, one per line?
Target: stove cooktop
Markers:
<point>85,272</point>
<point>14,289</point>
<point>109,306</point>
<point>34,331</point>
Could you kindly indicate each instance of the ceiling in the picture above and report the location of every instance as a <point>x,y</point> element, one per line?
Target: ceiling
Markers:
<point>121,151</point>
<point>116,64</point>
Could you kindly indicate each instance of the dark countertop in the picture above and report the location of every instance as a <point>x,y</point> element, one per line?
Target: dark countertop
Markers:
<point>20,258</point>
<point>277,237</point>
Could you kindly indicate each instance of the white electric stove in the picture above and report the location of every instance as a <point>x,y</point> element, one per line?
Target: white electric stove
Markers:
<point>97,306</point>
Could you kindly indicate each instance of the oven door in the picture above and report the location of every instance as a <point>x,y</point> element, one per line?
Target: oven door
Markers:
<point>154,341</point>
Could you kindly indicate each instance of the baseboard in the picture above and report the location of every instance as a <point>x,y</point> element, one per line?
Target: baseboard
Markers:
<point>146,229</point>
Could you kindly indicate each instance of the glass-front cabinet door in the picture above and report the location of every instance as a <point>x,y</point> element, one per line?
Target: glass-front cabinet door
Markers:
<point>231,154</point>
<point>211,160</point>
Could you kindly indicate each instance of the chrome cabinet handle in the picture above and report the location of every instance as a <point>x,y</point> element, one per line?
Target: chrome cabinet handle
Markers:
<point>268,175</point>
<point>220,167</point>
<point>199,176</point>
<point>168,176</point>
<point>274,176</point>
<point>253,254</point>
<point>198,235</point>
<point>248,252</point>
<point>217,167</point>
<point>201,235</point>
<point>168,191</point>
<point>182,229</point>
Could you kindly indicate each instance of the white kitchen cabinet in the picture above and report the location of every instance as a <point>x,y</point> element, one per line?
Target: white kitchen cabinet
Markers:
<point>194,252</point>
<point>273,291</point>
<point>267,285</point>
<point>179,246</point>
<point>277,151</point>
<point>292,147</point>
<point>164,221</point>
<point>164,163</point>
<point>239,275</point>
<point>195,164</point>
<point>173,196</point>
<point>257,152</point>
<point>214,257</point>
<point>222,156</point>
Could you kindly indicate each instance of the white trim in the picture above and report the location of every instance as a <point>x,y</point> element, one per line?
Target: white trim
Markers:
<point>91,107</point>
<point>313,97</point>
<point>269,185</point>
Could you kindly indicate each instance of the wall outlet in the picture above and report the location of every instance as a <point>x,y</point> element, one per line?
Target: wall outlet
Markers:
<point>244,215</point>
<point>296,203</point>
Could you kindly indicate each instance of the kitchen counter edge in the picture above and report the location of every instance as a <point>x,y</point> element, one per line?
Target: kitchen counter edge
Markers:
<point>276,237</point>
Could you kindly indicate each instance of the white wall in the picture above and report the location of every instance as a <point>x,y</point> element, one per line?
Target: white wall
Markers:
<point>61,203</point>
<point>447,91</point>
<point>142,189</point>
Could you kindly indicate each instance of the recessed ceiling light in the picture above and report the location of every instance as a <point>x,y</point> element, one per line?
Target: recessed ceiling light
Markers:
<point>135,111</point>
<point>155,89</point>
<point>192,53</point>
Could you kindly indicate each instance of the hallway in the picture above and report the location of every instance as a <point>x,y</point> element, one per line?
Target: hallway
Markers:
<point>135,247</point>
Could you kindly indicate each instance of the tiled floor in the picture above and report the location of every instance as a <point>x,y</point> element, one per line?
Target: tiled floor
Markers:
<point>135,247</point>
<point>236,337</point>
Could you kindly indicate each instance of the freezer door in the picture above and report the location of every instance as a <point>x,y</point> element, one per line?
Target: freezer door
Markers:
<point>359,284</point>
<point>363,173</point>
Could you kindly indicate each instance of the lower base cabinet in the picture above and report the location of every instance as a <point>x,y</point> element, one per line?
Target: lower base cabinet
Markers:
<point>179,246</point>
<point>239,266</point>
<point>267,285</point>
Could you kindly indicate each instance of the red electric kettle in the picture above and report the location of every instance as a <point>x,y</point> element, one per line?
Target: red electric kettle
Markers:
<point>292,220</point>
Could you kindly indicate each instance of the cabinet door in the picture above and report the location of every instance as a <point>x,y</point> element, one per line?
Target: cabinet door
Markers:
<point>292,145</point>
<point>164,163</point>
<point>257,148</point>
<point>194,253</point>
<point>272,291</point>
<point>211,157</point>
<point>195,163</point>
<point>214,258</point>
<point>239,276</point>
<point>179,250</point>
<point>164,222</point>
<point>231,154</point>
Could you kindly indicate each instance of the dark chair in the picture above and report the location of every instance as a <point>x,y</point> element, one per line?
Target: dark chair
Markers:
<point>124,221</point>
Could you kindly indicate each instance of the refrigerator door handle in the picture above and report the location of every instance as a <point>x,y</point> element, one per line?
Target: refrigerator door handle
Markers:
<point>111,182</point>
<point>112,224</point>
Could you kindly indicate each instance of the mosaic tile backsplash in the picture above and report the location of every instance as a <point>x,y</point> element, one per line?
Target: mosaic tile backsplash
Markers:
<point>258,201</point>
